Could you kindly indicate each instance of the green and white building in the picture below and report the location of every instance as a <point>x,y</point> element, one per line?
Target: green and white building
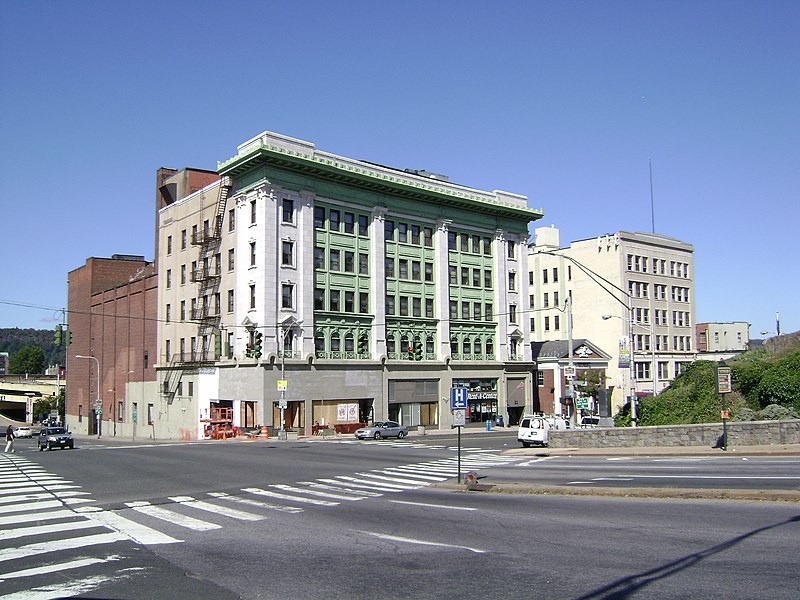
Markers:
<point>343,290</point>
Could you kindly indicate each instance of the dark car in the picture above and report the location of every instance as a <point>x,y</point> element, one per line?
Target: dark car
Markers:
<point>382,429</point>
<point>55,437</point>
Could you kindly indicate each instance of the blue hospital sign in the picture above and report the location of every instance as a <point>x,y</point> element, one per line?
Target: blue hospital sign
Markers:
<point>458,398</point>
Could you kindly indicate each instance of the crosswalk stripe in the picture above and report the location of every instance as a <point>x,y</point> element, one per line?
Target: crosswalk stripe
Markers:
<point>10,534</point>
<point>171,516</point>
<point>413,472</point>
<point>312,492</point>
<point>372,484</point>
<point>36,488</point>
<point>59,545</point>
<point>30,506</point>
<point>45,516</point>
<point>340,488</point>
<point>217,509</point>
<point>398,480</point>
<point>135,531</point>
<point>352,482</point>
<point>271,494</point>
<point>65,590</point>
<point>258,503</point>
<point>57,567</point>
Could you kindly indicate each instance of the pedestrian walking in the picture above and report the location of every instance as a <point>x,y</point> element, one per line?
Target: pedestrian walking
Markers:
<point>9,439</point>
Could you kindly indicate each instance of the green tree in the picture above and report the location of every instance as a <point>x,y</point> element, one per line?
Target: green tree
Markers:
<point>29,359</point>
<point>780,383</point>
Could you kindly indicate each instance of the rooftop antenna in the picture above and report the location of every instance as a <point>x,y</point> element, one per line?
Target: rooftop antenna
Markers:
<point>652,202</point>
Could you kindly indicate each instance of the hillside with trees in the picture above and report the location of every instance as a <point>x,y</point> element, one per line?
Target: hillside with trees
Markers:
<point>15,340</point>
<point>766,386</point>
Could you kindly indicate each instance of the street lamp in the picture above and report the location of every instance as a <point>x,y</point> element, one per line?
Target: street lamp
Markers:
<point>97,406</point>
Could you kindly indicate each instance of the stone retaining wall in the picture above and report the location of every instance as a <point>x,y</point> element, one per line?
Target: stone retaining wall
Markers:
<point>740,433</point>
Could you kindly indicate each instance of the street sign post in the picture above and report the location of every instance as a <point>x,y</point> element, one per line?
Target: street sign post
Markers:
<point>724,386</point>
<point>459,417</point>
<point>458,398</point>
<point>459,405</point>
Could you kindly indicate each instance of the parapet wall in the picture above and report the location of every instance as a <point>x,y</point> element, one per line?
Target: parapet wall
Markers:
<point>740,433</point>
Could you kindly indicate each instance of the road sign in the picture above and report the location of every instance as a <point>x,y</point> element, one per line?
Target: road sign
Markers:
<point>458,398</point>
<point>283,385</point>
<point>459,417</point>
<point>569,371</point>
<point>582,403</point>
<point>723,380</point>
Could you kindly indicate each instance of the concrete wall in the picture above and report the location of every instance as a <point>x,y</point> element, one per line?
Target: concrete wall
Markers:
<point>746,433</point>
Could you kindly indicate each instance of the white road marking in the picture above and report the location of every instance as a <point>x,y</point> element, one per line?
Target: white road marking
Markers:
<point>18,519</point>
<point>60,545</point>
<point>57,567</point>
<point>340,488</point>
<point>414,472</point>
<point>394,538</point>
<point>434,505</point>
<point>257,503</point>
<point>405,483</point>
<point>172,517</point>
<point>217,509</point>
<point>10,534</point>
<point>66,590</point>
<point>270,494</point>
<point>361,483</point>
<point>29,506</point>
<point>136,531</point>
<point>312,492</point>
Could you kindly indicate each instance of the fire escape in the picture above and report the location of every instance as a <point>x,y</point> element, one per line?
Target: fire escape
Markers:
<point>206,314</point>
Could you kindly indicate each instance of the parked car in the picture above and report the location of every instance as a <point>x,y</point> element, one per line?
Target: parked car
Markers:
<point>382,429</point>
<point>21,432</point>
<point>534,430</point>
<point>55,437</point>
<point>589,422</point>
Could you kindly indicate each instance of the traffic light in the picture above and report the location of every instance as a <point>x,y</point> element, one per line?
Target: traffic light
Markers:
<point>67,337</point>
<point>417,348</point>
<point>58,337</point>
<point>257,337</point>
<point>248,350</point>
<point>410,350</point>
<point>363,344</point>
<point>218,343</point>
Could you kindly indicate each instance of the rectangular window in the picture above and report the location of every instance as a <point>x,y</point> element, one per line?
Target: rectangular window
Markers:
<point>389,304</point>
<point>465,310</point>
<point>363,303</point>
<point>546,300</point>
<point>512,313</point>
<point>287,292</point>
<point>488,312</point>
<point>363,263</point>
<point>464,275</point>
<point>388,266</point>
<point>252,212</point>
<point>487,279</point>
<point>150,414</point>
<point>169,244</point>
<point>512,281</point>
<point>512,249</point>
<point>168,313</point>
<point>349,262</point>
<point>252,254</point>
<point>416,270</point>
<point>335,297</point>
<point>183,310</point>
<point>544,275</point>
<point>287,210</point>
<point>169,278</point>
<point>319,299</point>
<point>476,244</point>
<point>230,301</point>
<point>429,271</point>
<point>451,240</point>
<point>556,322</point>
<point>547,323</point>
<point>555,274</point>
<point>427,237</point>
<point>415,234</point>
<point>252,296</point>
<point>183,240</point>
<point>402,232</point>
<point>388,230</point>
<point>349,222</point>
<point>453,310</point>
<point>333,220</point>
<point>349,302</point>
<point>416,307</point>
<point>333,260</point>
<point>403,306</point>
<point>191,388</point>
<point>363,224</point>
<point>232,219</point>
<point>287,253</point>
<point>319,217</point>
<point>453,275</point>
<point>319,257</point>
<point>540,378</point>
<point>120,404</point>
<point>476,311</point>
<point>230,259</point>
<point>555,299</point>
<point>429,308</point>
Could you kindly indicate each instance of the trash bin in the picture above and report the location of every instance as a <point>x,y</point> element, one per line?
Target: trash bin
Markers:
<point>499,420</point>
<point>489,425</point>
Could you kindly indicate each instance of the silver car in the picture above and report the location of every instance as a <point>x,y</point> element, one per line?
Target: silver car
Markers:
<point>382,429</point>
<point>22,432</point>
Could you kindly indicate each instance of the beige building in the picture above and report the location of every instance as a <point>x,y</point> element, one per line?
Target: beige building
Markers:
<point>305,287</point>
<point>632,294</point>
<point>720,341</point>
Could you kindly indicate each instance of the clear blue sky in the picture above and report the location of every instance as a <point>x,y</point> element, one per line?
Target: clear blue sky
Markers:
<point>565,102</point>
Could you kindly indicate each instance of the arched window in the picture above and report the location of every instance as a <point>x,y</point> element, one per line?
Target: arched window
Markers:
<point>476,347</point>
<point>489,348</point>
<point>319,342</point>
<point>336,343</point>
<point>454,345</point>
<point>349,343</point>
<point>466,346</point>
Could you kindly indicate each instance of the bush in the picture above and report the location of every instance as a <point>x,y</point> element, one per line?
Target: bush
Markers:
<point>776,412</point>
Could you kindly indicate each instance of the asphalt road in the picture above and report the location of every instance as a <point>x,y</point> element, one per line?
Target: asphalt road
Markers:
<point>315,519</point>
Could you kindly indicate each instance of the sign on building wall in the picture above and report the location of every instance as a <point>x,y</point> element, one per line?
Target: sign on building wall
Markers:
<point>624,353</point>
<point>347,413</point>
